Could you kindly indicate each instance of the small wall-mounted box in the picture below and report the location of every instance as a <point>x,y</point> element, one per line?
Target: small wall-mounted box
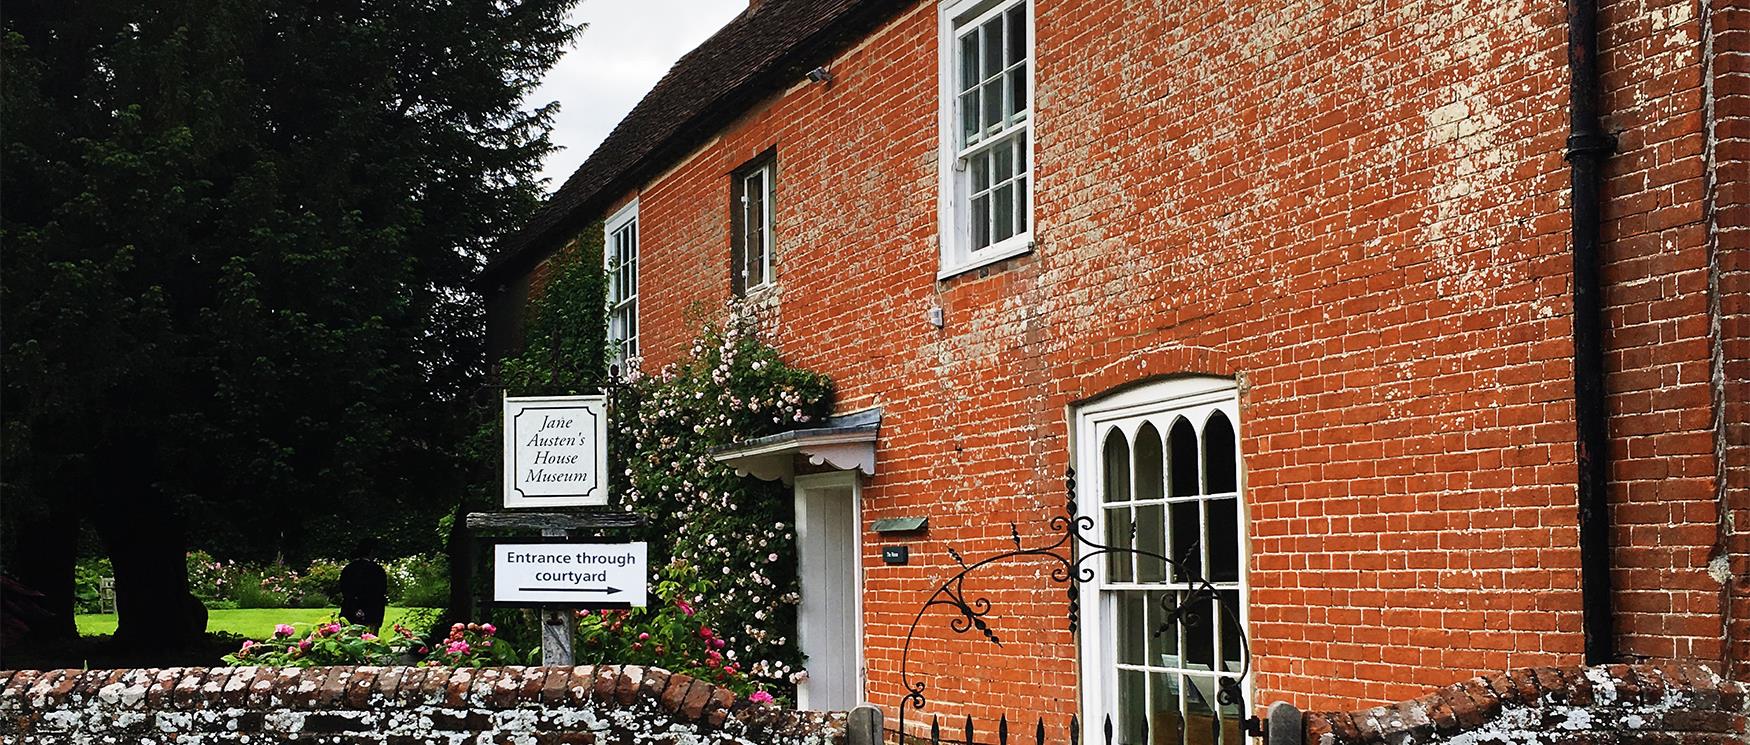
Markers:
<point>902,525</point>
<point>896,554</point>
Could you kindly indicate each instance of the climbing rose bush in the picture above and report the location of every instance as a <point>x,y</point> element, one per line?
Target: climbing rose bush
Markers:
<point>668,633</point>
<point>736,532</point>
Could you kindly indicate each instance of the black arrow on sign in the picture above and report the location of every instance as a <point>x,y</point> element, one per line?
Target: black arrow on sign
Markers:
<point>603,590</point>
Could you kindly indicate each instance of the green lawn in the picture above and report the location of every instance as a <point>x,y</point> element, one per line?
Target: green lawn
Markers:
<point>255,623</point>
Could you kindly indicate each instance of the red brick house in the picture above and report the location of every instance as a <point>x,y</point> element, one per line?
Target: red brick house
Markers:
<point>1291,285</point>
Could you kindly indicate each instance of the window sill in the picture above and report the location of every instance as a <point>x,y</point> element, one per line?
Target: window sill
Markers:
<point>760,294</point>
<point>1007,248</point>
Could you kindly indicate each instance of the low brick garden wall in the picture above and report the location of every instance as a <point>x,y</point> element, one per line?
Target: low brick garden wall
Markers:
<point>393,705</point>
<point>1603,705</point>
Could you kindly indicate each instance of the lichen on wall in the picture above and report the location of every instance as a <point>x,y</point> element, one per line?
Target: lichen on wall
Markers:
<point>1606,704</point>
<point>613,704</point>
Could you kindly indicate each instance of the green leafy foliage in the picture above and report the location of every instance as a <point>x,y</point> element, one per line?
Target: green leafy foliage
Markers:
<point>419,581</point>
<point>329,643</point>
<point>88,576</point>
<point>211,579</point>
<point>335,642</point>
<point>565,341</point>
<point>239,236</point>
<point>478,645</point>
<point>737,532</point>
<point>257,591</point>
<point>562,353</point>
<point>667,634</point>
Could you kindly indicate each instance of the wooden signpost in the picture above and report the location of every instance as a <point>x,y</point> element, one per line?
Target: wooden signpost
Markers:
<point>556,456</point>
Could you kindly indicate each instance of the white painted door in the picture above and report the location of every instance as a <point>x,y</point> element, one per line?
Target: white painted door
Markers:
<point>828,538</point>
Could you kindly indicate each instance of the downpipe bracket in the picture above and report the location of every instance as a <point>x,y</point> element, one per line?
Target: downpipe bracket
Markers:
<point>1587,144</point>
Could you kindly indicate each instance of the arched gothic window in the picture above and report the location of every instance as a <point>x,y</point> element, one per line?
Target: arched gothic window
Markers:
<point>1161,473</point>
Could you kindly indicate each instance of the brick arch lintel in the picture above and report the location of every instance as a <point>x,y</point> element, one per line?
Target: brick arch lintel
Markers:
<point>1145,366</point>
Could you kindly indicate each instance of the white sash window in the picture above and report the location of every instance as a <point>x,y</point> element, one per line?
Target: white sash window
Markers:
<point>986,120</point>
<point>622,265</point>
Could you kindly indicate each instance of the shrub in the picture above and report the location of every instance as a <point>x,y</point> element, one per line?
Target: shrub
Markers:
<point>669,634</point>
<point>87,587</point>
<point>336,643</point>
<point>321,579</point>
<point>211,579</point>
<point>255,591</point>
<point>421,622</point>
<point>331,643</point>
<point>477,645</point>
<point>419,581</point>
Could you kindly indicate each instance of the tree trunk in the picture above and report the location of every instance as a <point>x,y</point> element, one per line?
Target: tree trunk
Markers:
<point>43,559</point>
<point>461,552</point>
<point>144,533</point>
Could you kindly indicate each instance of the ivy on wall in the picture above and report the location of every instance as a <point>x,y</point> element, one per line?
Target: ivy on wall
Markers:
<point>565,338</point>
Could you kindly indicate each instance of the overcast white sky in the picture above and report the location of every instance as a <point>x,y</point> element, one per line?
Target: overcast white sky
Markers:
<point>628,46</point>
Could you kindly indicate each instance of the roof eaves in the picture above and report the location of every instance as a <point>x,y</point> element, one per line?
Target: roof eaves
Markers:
<point>523,249</point>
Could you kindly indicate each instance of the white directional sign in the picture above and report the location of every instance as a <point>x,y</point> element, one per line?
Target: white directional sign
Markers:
<point>570,573</point>
<point>556,451</point>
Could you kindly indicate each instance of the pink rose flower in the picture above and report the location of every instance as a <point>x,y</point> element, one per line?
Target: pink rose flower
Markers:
<point>489,629</point>
<point>681,604</point>
<point>643,636</point>
<point>305,644</point>
<point>284,629</point>
<point>760,697</point>
<point>247,644</point>
<point>368,636</point>
<point>457,647</point>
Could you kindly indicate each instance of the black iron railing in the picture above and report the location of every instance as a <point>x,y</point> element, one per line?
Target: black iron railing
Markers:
<point>1069,552</point>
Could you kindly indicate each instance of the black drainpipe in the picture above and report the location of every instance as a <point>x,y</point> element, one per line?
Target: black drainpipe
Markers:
<point>1588,146</point>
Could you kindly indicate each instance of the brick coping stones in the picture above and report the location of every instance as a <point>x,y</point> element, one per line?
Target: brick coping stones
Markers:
<point>1674,704</point>
<point>391,704</point>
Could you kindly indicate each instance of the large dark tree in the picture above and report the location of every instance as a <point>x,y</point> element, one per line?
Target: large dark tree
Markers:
<point>237,235</point>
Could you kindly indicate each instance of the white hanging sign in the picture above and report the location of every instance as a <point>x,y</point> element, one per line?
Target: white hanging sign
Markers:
<point>571,574</point>
<point>556,451</point>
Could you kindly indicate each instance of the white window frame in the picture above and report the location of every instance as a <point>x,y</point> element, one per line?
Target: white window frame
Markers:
<point>1159,402</point>
<point>953,197</point>
<point>624,349</point>
<point>765,172</point>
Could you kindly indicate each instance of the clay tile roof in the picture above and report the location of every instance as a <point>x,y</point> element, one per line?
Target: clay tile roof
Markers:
<point>767,48</point>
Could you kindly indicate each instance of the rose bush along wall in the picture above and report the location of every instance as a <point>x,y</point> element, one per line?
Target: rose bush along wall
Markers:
<point>669,634</point>
<point>736,531</point>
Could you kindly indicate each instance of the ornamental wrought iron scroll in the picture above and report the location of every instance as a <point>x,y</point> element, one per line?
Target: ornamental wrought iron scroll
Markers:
<point>1069,553</point>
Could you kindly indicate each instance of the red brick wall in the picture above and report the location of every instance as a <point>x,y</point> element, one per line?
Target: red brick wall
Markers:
<point>1359,209</point>
<point>1729,226</point>
<point>1656,274</point>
